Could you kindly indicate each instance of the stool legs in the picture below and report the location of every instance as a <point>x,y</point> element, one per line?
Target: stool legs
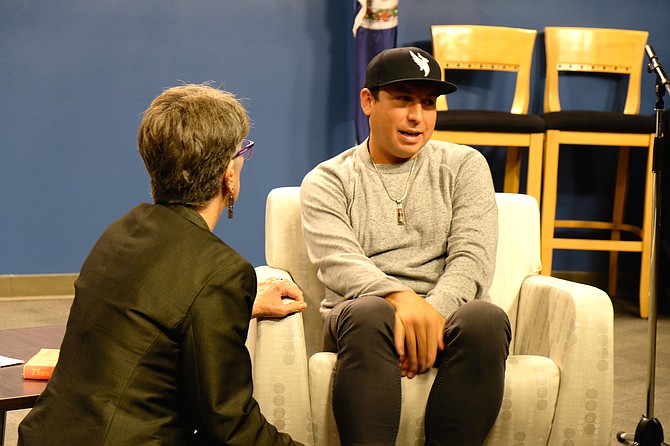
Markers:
<point>511,180</point>
<point>535,155</point>
<point>534,169</point>
<point>620,195</point>
<point>549,200</point>
<point>645,268</point>
<point>616,226</point>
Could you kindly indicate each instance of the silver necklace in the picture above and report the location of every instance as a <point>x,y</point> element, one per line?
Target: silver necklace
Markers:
<point>400,209</point>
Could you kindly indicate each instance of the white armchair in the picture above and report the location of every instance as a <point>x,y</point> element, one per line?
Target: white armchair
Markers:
<point>559,378</point>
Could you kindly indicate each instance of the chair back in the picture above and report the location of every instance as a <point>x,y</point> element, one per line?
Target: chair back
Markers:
<point>285,249</point>
<point>594,50</point>
<point>518,253</point>
<point>487,48</point>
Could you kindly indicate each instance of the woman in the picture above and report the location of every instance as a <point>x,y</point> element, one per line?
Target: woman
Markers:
<point>154,348</point>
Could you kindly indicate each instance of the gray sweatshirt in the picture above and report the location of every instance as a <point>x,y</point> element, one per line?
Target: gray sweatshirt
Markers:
<point>446,251</point>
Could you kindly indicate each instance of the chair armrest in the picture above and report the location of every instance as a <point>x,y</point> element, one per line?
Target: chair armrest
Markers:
<point>280,369</point>
<point>265,272</point>
<point>262,273</point>
<point>573,324</point>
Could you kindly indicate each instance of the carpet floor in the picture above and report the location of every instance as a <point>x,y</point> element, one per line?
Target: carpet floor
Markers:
<point>631,358</point>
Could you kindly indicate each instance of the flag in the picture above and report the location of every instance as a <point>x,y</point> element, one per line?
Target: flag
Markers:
<point>375,29</point>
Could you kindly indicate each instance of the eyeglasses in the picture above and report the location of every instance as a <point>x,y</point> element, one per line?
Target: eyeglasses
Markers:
<point>246,150</point>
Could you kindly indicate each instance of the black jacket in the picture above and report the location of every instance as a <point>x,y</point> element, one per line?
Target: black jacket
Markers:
<point>154,348</point>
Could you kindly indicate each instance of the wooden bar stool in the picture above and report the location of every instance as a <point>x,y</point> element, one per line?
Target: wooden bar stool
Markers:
<point>493,48</point>
<point>594,51</point>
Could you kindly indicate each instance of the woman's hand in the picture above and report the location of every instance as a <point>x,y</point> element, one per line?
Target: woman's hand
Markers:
<point>269,297</point>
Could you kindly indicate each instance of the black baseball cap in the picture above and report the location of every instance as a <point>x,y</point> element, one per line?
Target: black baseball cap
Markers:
<point>405,65</point>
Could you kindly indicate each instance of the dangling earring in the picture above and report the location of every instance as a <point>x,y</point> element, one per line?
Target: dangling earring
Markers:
<point>231,200</point>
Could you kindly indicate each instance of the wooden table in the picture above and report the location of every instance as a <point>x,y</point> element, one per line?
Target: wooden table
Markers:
<point>22,343</point>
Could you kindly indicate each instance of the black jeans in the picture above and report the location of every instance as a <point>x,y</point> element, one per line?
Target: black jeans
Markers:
<point>466,395</point>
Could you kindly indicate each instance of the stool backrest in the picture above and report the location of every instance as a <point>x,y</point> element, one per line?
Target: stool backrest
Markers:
<point>594,50</point>
<point>487,48</point>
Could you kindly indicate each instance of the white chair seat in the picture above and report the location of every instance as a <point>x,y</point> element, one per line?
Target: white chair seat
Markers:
<point>531,390</point>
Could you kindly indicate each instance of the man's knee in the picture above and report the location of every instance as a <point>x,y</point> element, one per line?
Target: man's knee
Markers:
<point>366,314</point>
<point>358,321</point>
<point>480,323</point>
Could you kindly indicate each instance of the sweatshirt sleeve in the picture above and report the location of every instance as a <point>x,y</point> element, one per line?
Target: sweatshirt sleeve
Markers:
<point>472,239</point>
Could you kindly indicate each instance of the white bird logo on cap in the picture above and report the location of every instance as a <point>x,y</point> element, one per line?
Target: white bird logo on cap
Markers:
<point>422,62</point>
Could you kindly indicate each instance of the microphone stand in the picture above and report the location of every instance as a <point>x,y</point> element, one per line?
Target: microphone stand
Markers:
<point>649,431</point>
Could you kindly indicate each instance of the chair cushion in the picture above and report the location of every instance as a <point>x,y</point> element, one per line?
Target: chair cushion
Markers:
<point>529,402</point>
<point>488,121</point>
<point>596,121</point>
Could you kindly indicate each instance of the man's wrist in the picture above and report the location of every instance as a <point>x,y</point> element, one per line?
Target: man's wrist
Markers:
<point>399,296</point>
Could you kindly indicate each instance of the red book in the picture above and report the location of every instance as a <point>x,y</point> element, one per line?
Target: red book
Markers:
<point>41,366</point>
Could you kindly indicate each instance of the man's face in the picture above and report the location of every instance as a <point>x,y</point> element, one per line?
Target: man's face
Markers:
<point>402,120</point>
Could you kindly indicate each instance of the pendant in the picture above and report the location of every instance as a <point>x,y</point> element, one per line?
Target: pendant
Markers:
<point>400,213</point>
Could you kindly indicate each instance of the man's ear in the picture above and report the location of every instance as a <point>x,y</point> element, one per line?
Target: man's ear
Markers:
<point>366,101</point>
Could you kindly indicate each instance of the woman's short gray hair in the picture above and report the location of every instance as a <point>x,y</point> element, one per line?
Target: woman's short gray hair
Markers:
<point>187,137</point>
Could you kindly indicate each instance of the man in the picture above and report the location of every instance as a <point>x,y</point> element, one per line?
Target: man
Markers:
<point>154,349</point>
<point>403,231</point>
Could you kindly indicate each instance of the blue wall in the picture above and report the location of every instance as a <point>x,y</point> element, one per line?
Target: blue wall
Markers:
<point>76,75</point>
